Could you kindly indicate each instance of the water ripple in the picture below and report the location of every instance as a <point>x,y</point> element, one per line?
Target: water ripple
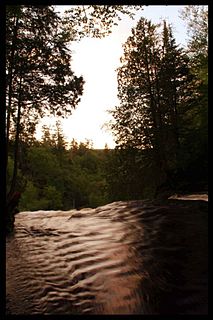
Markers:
<point>132,257</point>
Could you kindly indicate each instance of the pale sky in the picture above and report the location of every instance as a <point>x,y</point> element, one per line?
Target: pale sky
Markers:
<point>96,60</point>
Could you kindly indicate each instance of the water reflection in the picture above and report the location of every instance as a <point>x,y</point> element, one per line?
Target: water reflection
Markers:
<point>123,258</point>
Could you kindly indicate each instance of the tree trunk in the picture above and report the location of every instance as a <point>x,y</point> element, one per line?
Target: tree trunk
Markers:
<point>16,147</point>
<point>10,76</point>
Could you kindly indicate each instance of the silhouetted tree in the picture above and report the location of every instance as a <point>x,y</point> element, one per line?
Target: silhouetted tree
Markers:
<point>156,89</point>
<point>38,72</point>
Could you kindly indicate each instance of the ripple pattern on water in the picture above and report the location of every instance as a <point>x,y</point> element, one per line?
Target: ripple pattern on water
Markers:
<point>123,258</point>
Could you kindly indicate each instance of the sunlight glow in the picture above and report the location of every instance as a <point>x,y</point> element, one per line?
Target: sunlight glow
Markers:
<point>97,60</point>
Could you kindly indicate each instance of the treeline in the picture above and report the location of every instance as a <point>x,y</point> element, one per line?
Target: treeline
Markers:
<point>53,176</point>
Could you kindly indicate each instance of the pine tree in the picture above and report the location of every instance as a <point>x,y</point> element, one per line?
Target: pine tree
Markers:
<point>155,90</point>
<point>176,89</point>
<point>137,111</point>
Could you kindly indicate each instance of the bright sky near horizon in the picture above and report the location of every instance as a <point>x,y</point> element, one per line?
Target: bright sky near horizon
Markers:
<point>97,60</point>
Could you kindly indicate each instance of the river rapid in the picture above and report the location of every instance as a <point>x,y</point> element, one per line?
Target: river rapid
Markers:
<point>136,257</point>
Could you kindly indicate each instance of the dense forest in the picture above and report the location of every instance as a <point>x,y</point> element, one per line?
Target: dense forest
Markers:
<point>160,125</point>
<point>53,176</point>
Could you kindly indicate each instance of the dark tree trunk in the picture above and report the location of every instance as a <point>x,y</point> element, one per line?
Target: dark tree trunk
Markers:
<point>10,81</point>
<point>16,147</point>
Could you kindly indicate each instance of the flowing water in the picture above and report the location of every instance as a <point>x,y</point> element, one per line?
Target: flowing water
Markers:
<point>134,257</point>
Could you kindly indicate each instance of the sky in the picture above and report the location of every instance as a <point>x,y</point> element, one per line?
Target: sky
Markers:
<point>97,60</point>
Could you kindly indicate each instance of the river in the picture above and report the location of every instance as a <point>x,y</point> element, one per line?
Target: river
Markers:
<point>136,257</point>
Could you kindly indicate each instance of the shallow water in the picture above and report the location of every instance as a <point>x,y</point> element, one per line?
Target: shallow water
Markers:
<point>134,257</point>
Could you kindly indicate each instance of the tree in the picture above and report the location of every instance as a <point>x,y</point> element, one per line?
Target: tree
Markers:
<point>196,139</point>
<point>39,79</point>
<point>60,139</point>
<point>38,72</point>
<point>30,199</point>
<point>95,20</point>
<point>44,166</point>
<point>155,89</point>
<point>196,17</point>
<point>177,90</point>
<point>55,140</point>
<point>37,34</point>
<point>47,139</point>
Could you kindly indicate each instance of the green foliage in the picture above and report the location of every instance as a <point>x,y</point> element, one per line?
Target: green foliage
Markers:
<point>131,174</point>
<point>61,178</point>
<point>9,174</point>
<point>88,174</point>
<point>30,198</point>
<point>53,198</point>
<point>43,164</point>
<point>34,198</point>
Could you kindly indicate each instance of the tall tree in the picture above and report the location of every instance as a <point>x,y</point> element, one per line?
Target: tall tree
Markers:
<point>135,89</point>
<point>38,72</point>
<point>47,138</point>
<point>154,89</point>
<point>176,90</point>
<point>60,139</point>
